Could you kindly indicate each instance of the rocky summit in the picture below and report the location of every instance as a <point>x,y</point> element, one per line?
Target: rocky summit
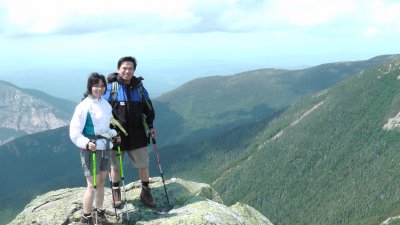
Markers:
<point>189,203</point>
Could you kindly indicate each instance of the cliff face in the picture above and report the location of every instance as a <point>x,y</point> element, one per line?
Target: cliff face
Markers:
<point>190,203</point>
<point>22,113</point>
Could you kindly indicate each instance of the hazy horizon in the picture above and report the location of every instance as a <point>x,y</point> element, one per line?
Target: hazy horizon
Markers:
<point>70,83</point>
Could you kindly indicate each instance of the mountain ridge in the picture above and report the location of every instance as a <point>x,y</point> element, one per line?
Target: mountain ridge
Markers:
<point>26,111</point>
<point>202,108</point>
<point>313,159</point>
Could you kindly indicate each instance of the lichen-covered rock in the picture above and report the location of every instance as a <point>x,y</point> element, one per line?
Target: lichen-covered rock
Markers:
<point>189,203</point>
<point>393,123</point>
<point>391,221</point>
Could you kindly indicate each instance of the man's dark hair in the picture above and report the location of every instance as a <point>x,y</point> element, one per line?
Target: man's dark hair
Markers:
<point>127,59</point>
<point>93,79</point>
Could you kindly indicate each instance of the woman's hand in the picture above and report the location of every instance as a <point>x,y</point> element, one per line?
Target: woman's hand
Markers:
<point>91,146</point>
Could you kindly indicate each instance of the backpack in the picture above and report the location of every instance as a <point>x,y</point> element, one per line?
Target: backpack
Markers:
<point>114,91</point>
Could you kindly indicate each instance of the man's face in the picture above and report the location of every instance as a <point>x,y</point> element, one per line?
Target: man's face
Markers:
<point>126,70</point>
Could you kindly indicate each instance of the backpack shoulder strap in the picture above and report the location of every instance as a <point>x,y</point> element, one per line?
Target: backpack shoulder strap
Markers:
<point>114,90</point>
<point>141,92</point>
<point>143,98</point>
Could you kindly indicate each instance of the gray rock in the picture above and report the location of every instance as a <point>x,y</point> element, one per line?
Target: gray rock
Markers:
<point>23,113</point>
<point>190,203</point>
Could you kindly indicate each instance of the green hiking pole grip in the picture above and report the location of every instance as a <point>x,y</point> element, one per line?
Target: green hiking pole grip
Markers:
<point>120,163</point>
<point>94,180</point>
<point>94,168</point>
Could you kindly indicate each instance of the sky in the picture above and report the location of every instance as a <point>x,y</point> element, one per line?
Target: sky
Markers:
<point>60,42</point>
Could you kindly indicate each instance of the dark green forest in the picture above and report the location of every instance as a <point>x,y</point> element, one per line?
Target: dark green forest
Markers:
<point>333,165</point>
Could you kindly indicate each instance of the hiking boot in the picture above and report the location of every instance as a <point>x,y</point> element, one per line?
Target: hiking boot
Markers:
<point>116,194</point>
<point>101,217</point>
<point>86,220</point>
<point>146,197</point>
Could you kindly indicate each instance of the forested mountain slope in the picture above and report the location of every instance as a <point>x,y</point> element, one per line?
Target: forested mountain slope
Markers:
<point>325,160</point>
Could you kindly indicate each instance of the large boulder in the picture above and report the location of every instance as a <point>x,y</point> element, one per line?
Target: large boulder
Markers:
<point>189,203</point>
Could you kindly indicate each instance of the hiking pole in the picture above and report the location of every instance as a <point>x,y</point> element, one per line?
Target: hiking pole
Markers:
<point>123,181</point>
<point>112,193</point>
<point>94,182</point>
<point>159,166</point>
<point>121,169</point>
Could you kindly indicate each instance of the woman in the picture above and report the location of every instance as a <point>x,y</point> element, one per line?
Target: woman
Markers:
<point>90,131</point>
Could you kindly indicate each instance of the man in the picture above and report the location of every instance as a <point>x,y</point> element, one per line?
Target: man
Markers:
<point>133,109</point>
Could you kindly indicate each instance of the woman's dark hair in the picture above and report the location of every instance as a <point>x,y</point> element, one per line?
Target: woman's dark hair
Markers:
<point>127,59</point>
<point>93,79</point>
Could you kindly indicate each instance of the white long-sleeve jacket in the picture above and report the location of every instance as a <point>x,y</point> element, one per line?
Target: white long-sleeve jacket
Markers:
<point>91,117</point>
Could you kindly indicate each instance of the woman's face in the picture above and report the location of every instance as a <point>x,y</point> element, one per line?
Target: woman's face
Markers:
<point>98,89</point>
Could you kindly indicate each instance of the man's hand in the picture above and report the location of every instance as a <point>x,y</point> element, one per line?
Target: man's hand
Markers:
<point>116,140</point>
<point>153,133</point>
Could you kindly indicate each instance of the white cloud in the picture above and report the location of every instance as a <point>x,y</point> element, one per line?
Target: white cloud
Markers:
<point>309,12</point>
<point>370,32</point>
<point>384,12</point>
<point>45,16</point>
<point>25,17</point>
<point>382,18</point>
<point>41,16</point>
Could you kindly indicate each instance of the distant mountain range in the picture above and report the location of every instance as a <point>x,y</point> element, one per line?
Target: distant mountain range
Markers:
<point>296,145</point>
<point>28,111</point>
<point>209,106</point>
